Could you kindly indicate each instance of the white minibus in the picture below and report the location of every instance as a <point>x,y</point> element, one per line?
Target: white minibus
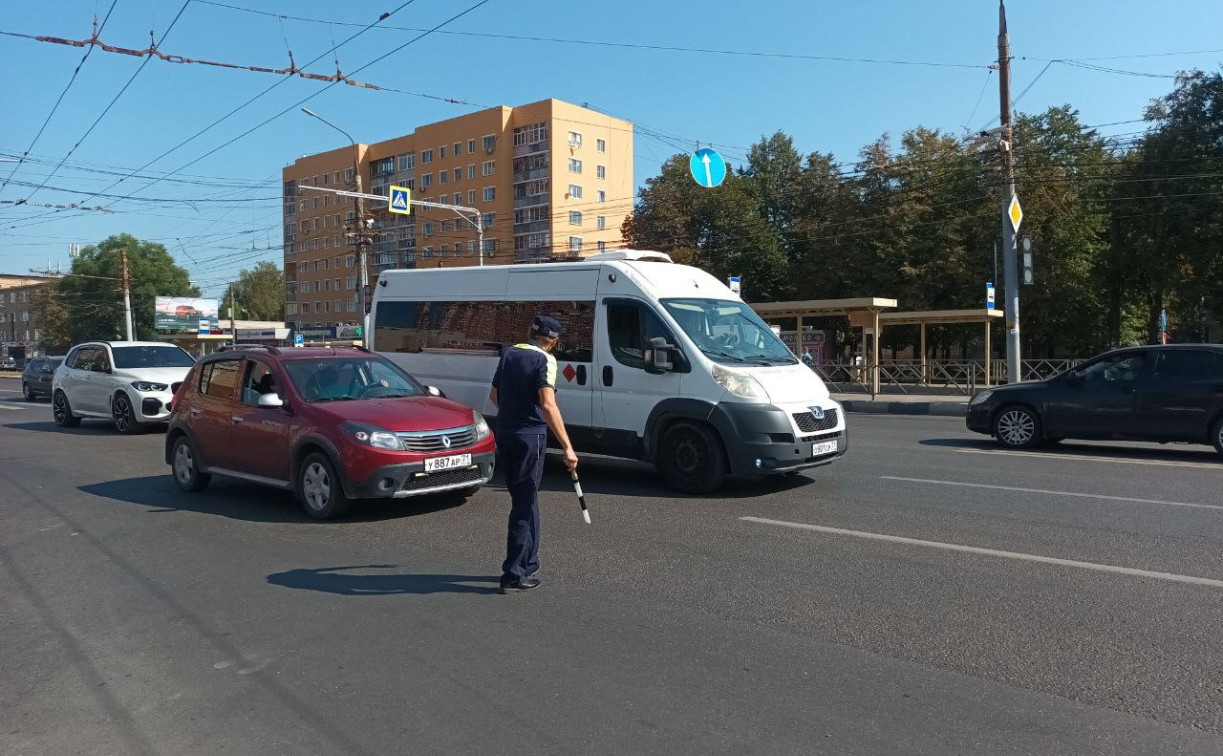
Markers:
<point>658,361</point>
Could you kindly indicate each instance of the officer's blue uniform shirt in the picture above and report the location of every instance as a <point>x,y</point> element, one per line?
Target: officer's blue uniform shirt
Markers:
<point>524,369</point>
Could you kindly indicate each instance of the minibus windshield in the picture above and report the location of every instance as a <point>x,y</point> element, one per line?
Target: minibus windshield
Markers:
<point>729,332</point>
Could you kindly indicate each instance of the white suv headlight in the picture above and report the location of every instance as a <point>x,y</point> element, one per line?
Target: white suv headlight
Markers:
<point>740,384</point>
<point>149,386</point>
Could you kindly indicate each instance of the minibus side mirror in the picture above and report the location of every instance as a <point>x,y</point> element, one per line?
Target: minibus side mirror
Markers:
<point>658,356</point>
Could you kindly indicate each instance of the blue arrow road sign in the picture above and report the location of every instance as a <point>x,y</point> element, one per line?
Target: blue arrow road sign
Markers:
<point>989,295</point>
<point>708,167</point>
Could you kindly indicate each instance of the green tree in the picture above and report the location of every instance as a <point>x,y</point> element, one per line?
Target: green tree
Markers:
<point>260,293</point>
<point>92,294</point>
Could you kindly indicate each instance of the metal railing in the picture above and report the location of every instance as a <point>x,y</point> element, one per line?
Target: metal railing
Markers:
<point>938,376</point>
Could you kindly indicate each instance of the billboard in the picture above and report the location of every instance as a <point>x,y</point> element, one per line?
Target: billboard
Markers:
<point>184,313</point>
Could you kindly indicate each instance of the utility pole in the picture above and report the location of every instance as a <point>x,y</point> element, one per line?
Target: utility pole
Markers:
<point>1009,262</point>
<point>233,304</point>
<point>127,296</point>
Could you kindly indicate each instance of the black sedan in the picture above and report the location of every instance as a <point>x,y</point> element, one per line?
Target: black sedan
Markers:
<point>1156,393</point>
<point>36,378</point>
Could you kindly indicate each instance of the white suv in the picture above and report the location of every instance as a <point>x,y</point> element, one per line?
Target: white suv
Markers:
<point>129,382</point>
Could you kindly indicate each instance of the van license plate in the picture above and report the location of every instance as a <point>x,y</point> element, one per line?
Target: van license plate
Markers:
<point>823,447</point>
<point>447,463</point>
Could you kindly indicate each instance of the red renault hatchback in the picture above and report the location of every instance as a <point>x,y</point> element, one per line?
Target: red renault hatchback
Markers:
<point>331,425</point>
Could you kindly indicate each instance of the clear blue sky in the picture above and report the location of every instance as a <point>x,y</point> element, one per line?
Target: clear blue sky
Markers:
<point>725,100</point>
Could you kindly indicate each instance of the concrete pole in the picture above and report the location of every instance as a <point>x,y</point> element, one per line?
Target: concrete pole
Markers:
<point>799,338</point>
<point>988,353</point>
<point>925,373</point>
<point>127,297</point>
<point>1009,263</point>
<point>875,354</point>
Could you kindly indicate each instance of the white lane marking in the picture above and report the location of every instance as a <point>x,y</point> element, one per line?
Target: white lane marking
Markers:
<point>14,406</point>
<point>1170,576</point>
<point>1087,458</point>
<point>1055,493</point>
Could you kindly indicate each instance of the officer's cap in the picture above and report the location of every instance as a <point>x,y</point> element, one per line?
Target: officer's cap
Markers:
<point>546,326</point>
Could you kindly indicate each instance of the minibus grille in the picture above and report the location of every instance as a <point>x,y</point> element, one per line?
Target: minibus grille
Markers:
<point>807,423</point>
<point>439,441</point>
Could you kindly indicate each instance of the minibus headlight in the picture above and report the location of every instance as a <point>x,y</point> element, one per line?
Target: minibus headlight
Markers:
<point>482,429</point>
<point>739,384</point>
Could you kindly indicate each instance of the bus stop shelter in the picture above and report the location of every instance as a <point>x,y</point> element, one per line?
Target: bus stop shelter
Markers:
<point>925,318</point>
<point>863,312</point>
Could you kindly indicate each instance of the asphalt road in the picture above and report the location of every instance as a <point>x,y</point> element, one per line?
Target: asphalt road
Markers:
<point>135,619</point>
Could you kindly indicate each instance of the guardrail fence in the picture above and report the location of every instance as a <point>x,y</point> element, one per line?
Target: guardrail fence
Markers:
<point>932,376</point>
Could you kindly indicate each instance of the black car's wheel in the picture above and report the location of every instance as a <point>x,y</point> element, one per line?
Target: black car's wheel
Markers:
<point>319,488</point>
<point>185,465</point>
<point>124,415</point>
<point>1216,435</point>
<point>62,411</point>
<point>691,459</point>
<point>1017,427</point>
<point>27,392</point>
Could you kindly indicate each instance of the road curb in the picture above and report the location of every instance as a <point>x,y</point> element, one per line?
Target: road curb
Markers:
<point>941,409</point>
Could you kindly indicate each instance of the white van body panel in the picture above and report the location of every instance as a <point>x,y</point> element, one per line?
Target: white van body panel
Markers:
<point>604,395</point>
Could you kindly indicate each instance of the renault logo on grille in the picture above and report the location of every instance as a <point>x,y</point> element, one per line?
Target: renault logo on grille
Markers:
<point>446,441</point>
<point>817,413</point>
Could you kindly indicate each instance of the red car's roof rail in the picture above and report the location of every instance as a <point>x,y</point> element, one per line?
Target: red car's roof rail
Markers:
<point>237,347</point>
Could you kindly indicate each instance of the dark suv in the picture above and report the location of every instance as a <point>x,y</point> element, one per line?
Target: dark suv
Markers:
<point>1156,393</point>
<point>331,425</point>
<point>36,378</point>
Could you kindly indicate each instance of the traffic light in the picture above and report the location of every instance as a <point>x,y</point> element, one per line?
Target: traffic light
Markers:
<point>1027,261</point>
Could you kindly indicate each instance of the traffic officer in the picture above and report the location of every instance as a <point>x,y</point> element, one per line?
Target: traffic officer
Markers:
<point>524,392</point>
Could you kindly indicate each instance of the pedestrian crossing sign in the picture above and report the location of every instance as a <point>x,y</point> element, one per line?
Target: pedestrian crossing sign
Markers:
<point>400,200</point>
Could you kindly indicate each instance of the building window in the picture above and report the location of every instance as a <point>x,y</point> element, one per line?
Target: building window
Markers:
<point>441,152</point>
<point>490,193</point>
<point>445,227</point>
<point>305,308</point>
<point>305,226</point>
<point>575,165</point>
<point>471,170</point>
<point>575,217</point>
<point>489,167</point>
<point>327,306</point>
<point>458,149</point>
<point>350,261</point>
<point>602,196</point>
<point>444,176</point>
<point>384,167</point>
<point>490,247</point>
<point>426,181</point>
<point>350,215</point>
<point>488,219</point>
<point>601,171</point>
<point>471,249</point>
<point>458,175</point>
<point>471,146</point>
<point>471,196</point>
<point>352,305</point>
<point>490,142</point>
<point>575,244</point>
<point>575,139</point>
<point>602,246</point>
<point>407,162</point>
<point>458,198</point>
<point>575,191</point>
<point>427,252</point>
<point>426,157</point>
<point>445,250</point>
<point>601,221</point>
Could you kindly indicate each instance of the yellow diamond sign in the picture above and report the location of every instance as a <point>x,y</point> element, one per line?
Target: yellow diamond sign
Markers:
<point>1015,212</point>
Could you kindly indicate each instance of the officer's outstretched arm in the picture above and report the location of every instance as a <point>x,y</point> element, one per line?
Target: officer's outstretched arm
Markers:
<point>556,424</point>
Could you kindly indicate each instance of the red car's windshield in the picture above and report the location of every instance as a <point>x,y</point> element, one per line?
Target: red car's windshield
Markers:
<point>330,379</point>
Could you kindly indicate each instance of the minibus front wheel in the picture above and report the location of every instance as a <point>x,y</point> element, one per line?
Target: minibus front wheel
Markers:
<point>691,458</point>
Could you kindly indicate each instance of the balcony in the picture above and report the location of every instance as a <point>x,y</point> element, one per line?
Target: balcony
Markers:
<point>530,149</point>
<point>531,175</point>
<point>533,227</point>
<point>531,201</point>
<point>533,255</point>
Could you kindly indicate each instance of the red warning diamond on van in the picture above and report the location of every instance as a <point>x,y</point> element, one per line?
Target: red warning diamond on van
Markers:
<point>569,372</point>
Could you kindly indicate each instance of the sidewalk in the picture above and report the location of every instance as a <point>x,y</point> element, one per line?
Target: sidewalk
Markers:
<point>905,404</point>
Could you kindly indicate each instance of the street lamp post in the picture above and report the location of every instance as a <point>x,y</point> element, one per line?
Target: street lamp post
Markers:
<point>362,238</point>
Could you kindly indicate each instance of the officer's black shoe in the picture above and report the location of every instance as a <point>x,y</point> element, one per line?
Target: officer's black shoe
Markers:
<point>522,584</point>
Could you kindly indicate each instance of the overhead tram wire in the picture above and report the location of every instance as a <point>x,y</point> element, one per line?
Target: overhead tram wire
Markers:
<point>114,99</point>
<point>623,45</point>
<point>231,113</point>
<point>60,99</point>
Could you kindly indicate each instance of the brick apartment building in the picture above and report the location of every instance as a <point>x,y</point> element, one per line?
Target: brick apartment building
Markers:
<point>20,333</point>
<point>551,180</point>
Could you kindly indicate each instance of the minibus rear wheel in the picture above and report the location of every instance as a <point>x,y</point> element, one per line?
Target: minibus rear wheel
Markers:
<point>691,458</point>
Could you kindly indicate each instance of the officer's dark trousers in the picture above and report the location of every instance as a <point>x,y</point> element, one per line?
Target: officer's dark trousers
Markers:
<point>523,456</point>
